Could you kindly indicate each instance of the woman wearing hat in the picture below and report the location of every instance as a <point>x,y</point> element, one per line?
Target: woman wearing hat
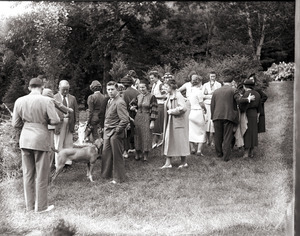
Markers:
<point>96,105</point>
<point>128,95</point>
<point>263,99</point>
<point>252,110</point>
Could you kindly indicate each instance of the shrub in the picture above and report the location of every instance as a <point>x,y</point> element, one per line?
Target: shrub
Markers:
<point>10,154</point>
<point>119,69</point>
<point>282,71</point>
<point>14,91</point>
<point>241,66</point>
<point>201,69</point>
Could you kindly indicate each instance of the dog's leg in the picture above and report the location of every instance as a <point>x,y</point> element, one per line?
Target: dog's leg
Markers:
<point>91,170</point>
<point>59,169</point>
<point>89,174</point>
<point>88,169</point>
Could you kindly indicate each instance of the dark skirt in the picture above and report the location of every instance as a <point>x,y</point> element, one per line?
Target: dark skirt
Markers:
<point>159,122</point>
<point>251,134</point>
<point>143,134</point>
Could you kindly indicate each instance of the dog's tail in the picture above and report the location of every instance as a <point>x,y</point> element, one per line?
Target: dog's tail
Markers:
<point>54,150</point>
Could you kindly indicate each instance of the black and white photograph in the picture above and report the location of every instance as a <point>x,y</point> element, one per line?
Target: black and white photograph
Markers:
<point>149,118</point>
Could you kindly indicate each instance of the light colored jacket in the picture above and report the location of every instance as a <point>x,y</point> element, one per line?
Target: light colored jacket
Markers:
<point>33,113</point>
<point>176,126</point>
<point>73,117</point>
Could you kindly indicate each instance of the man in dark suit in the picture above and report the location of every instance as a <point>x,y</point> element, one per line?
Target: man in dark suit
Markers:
<point>128,95</point>
<point>63,134</point>
<point>224,114</point>
<point>116,120</point>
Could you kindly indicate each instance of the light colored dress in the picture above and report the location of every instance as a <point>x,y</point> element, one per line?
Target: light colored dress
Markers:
<point>208,89</point>
<point>176,126</point>
<point>197,127</point>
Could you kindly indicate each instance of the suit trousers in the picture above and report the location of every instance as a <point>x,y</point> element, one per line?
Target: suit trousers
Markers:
<point>36,168</point>
<point>113,165</point>
<point>64,139</point>
<point>223,137</point>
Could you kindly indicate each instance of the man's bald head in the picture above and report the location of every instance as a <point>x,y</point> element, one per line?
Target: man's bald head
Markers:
<point>64,83</point>
<point>64,87</point>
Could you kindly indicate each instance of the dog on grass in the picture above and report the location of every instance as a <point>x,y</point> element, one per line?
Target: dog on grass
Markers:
<point>88,154</point>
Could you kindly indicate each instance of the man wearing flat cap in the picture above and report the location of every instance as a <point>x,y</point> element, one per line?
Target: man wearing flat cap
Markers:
<point>128,95</point>
<point>96,105</point>
<point>33,113</point>
<point>63,134</point>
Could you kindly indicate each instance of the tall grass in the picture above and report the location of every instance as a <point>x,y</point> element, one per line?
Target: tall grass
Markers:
<point>211,197</point>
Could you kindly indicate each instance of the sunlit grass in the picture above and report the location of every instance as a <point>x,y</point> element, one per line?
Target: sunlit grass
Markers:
<point>211,197</point>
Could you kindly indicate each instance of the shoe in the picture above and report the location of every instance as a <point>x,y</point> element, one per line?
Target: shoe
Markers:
<point>51,207</point>
<point>145,160</point>
<point>137,158</point>
<point>183,166</point>
<point>125,155</point>
<point>131,150</point>
<point>113,182</point>
<point>193,152</point>
<point>220,155</point>
<point>245,155</point>
<point>154,145</point>
<point>166,167</point>
<point>200,154</point>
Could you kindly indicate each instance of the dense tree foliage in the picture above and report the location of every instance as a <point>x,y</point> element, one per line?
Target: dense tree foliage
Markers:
<point>84,41</point>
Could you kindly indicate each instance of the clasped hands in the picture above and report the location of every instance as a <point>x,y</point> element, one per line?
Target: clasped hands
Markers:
<point>251,97</point>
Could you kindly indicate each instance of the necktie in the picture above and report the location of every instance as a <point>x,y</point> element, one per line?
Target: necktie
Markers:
<point>65,101</point>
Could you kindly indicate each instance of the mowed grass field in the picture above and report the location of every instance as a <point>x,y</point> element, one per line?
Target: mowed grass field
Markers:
<point>210,197</point>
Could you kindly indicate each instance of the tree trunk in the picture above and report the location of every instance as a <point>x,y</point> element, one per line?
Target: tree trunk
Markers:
<point>262,37</point>
<point>106,68</point>
<point>250,32</point>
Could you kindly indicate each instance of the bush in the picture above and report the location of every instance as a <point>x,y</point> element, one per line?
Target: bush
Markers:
<point>282,71</point>
<point>241,66</point>
<point>10,154</point>
<point>201,69</point>
<point>119,69</point>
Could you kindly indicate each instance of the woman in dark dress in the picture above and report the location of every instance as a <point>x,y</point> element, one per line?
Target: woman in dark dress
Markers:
<point>252,110</point>
<point>263,99</point>
<point>145,106</point>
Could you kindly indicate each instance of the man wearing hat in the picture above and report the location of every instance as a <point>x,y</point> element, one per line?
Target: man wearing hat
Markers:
<point>128,95</point>
<point>224,114</point>
<point>33,113</point>
<point>63,134</point>
<point>252,110</point>
<point>96,105</point>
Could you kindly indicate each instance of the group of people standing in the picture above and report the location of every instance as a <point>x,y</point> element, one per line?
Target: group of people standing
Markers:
<point>137,115</point>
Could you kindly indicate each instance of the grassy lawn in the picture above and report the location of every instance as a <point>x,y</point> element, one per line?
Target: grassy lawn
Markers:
<point>211,197</point>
